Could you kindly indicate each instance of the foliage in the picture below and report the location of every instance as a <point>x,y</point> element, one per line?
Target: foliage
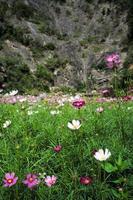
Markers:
<point>56,62</point>
<point>49,46</point>
<point>3,9</point>
<point>43,73</point>
<point>22,10</point>
<point>16,75</point>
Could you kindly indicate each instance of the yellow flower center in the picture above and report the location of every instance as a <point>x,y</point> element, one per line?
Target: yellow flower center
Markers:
<point>30,180</point>
<point>9,180</point>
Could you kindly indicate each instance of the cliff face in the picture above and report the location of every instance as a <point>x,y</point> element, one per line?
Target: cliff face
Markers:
<point>67,38</point>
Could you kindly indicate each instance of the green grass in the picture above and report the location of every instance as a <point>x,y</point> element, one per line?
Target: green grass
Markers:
<point>26,146</point>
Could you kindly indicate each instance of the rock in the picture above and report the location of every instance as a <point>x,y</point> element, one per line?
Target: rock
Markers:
<point>79,32</point>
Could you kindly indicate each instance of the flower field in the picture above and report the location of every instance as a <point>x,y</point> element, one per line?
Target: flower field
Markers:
<point>79,151</point>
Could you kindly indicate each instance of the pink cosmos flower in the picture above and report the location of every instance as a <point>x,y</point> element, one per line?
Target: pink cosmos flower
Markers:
<point>10,179</point>
<point>50,180</point>
<point>106,92</point>
<point>112,60</point>
<point>57,148</point>
<point>100,109</point>
<point>78,103</point>
<point>127,98</point>
<point>85,180</point>
<point>31,181</point>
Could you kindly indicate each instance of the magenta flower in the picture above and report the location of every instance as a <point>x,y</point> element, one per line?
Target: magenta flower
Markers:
<point>127,98</point>
<point>50,180</point>
<point>57,148</point>
<point>112,60</point>
<point>78,103</point>
<point>31,181</point>
<point>106,92</point>
<point>85,180</point>
<point>10,179</point>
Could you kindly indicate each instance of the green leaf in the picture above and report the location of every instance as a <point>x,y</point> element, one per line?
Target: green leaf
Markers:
<point>116,194</point>
<point>108,167</point>
<point>118,181</point>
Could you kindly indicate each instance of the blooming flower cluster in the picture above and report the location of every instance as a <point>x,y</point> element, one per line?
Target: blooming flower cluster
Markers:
<point>31,180</point>
<point>79,103</point>
<point>113,60</point>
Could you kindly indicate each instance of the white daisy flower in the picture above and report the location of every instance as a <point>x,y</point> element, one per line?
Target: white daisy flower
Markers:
<point>54,112</point>
<point>7,123</point>
<point>13,92</point>
<point>100,109</point>
<point>30,112</point>
<point>129,108</point>
<point>102,155</point>
<point>74,125</point>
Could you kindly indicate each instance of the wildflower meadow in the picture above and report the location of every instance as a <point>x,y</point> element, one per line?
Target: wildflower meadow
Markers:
<point>80,150</point>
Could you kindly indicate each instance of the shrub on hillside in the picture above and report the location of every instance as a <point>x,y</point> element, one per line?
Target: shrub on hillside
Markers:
<point>15,74</point>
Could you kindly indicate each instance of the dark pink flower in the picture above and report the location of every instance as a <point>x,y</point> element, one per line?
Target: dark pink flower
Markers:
<point>78,103</point>
<point>10,179</point>
<point>85,180</point>
<point>31,181</point>
<point>127,98</point>
<point>50,180</point>
<point>112,60</point>
<point>106,92</point>
<point>57,148</point>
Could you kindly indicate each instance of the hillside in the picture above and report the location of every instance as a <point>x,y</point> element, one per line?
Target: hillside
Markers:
<point>62,43</point>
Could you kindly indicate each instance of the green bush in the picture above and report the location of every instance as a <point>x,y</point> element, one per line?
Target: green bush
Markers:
<point>56,62</point>
<point>16,75</point>
<point>43,73</point>
<point>3,9</point>
<point>49,46</point>
<point>20,9</point>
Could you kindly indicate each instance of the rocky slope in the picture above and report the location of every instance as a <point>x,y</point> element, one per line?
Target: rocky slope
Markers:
<point>64,41</point>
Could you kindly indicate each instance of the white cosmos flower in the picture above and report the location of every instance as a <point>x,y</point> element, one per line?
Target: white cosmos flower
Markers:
<point>13,92</point>
<point>54,112</point>
<point>101,155</point>
<point>129,108</point>
<point>74,125</point>
<point>30,112</point>
<point>100,109</point>
<point>6,124</point>
<point>22,100</point>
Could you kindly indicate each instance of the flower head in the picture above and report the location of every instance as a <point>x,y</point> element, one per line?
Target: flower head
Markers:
<point>13,92</point>
<point>127,98</point>
<point>78,103</point>
<point>74,125</point>
<point>101,155</point>
<point>10,179</point>
<point>85,180</point>
<point>100,109</point>
<point>50,180</point>
<point>30,112</point>
<point>112,60</point>
<point>57,148</point>
<point>31,181</point>
<point>106,92</point>
<point>54,112</point>
<point>6,123</point>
